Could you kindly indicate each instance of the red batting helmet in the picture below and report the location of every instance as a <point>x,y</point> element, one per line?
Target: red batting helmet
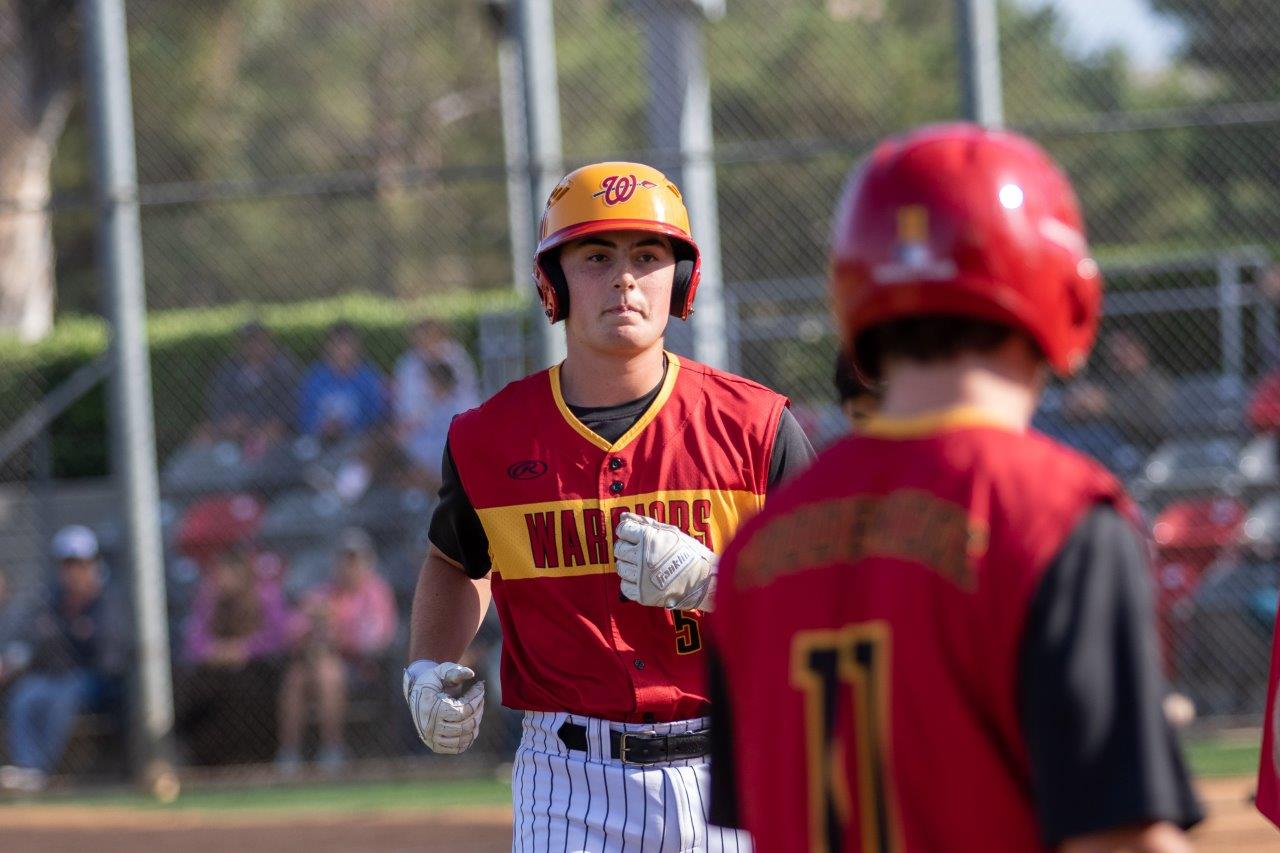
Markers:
<point>957,219</point>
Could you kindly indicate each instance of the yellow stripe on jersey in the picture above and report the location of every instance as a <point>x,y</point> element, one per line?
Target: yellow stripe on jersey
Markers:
<point>930,423</point>
<point>575,537</point>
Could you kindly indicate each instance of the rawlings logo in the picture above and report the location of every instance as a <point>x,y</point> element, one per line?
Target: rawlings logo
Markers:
<point>529,469</point>
<point>619,188</point>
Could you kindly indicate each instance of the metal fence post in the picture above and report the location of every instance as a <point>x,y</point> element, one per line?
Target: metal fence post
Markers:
<point>978,36</point>
<point>1231,318</point>
<point>680,134</point>
<point>542,110</point>
<point>133,430</point>
<point>515,144</point>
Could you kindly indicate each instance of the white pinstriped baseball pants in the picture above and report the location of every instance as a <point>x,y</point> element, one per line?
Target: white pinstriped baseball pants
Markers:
<point>568,801</point>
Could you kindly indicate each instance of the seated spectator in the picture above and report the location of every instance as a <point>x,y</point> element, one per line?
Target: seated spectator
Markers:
<point>252,395</point>
<point>340,639</point>
<point>430,343</point>
<point>1125,392</point>
<point>15,651</point>
<point>424,441</point>
<point>342,393</point>
<point>1074,426</point>
<point>79,639</point>
<point>1264,405</point>
<point>233,641</point>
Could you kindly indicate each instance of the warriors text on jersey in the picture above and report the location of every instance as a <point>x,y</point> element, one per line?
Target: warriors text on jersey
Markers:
<point>549,493</point>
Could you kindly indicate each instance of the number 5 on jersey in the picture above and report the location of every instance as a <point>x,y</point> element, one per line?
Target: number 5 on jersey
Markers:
<point>688,632</point>
<point>844,676</point>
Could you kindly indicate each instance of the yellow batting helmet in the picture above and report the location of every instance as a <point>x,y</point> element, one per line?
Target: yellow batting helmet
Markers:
<point>614,197</point>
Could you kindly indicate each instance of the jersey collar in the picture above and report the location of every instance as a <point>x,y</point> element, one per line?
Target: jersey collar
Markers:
<point>931,423</point>
<point>668,386</point>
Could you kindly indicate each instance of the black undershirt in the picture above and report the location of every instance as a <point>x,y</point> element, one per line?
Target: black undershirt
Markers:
<point>456,531</point>
<point>1091,694</point>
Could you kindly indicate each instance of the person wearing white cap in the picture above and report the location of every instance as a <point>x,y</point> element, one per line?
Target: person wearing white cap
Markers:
<point>79,639</point>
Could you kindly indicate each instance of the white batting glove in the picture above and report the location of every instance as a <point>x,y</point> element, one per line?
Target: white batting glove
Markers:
<point>446,721</point>
<point>662,566</point>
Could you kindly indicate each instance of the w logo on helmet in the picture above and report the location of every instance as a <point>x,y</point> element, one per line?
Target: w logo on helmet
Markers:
<point>619,188</point>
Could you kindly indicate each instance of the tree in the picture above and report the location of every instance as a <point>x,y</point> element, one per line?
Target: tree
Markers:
<point>1236,45</point>
<point>38,46</point>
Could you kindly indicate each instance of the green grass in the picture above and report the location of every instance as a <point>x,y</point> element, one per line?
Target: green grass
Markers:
<point>331,798</point>
<point>1234,756</point>
<point>1223,757</point>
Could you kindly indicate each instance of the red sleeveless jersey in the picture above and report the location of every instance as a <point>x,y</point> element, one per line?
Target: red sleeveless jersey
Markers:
<point>549,493</point>
<point>869,623</point>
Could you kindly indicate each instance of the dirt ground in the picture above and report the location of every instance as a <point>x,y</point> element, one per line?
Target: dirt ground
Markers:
<point>54,829</point>
<point>1233,825</point>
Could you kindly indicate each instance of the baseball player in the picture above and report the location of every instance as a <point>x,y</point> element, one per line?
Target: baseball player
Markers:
<point>940,637</point>
<point>621,436</point>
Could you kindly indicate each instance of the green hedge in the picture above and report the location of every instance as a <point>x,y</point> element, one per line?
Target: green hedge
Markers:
<point>187,345</point>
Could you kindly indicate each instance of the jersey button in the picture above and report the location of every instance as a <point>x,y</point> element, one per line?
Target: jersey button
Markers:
<point>615,463</point>
<point>616,487</point>
<point>650,717</point>
<point>639,663</point>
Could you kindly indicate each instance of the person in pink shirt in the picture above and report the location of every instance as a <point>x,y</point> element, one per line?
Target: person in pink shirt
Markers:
<point>339,636</point>
<point>234,638</point>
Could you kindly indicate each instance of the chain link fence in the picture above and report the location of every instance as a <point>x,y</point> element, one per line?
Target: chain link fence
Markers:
<point>325,194</point>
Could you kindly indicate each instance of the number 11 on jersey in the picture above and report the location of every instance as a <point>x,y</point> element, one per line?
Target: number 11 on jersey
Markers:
<point>827,667</point>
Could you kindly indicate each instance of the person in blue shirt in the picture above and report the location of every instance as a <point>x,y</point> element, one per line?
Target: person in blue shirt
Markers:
<point>77,652</point>
<point>342,393</point>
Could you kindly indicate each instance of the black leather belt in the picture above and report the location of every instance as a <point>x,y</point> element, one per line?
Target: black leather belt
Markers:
<point>642,747</point>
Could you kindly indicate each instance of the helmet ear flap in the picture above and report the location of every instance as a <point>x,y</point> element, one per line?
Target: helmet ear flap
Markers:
<point>684,284</point>
<point>553,287</point>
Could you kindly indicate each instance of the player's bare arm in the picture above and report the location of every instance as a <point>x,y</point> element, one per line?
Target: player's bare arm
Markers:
<point>448,607</point>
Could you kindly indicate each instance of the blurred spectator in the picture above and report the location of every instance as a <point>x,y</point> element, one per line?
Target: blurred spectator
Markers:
<point>1269,288</point>
<point>1190,535</point>
<point>430,343</point>
<point>342,393</point>
<point>234,638</point>
<point>379,460</point>
<point>1071,424</point>
<point>424,440</point>
<point>251,398</point>
<point>340,638</point>
<point>1126,393</point>
<point>218,523</point>
<point>1264,405</point>
<point>858,400</point>
<point>1224,652</point>
<point>79,650</point>
<point>15,652</point>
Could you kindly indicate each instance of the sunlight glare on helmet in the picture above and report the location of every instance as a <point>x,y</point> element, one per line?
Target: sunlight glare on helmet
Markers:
<point>1011,196</point>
